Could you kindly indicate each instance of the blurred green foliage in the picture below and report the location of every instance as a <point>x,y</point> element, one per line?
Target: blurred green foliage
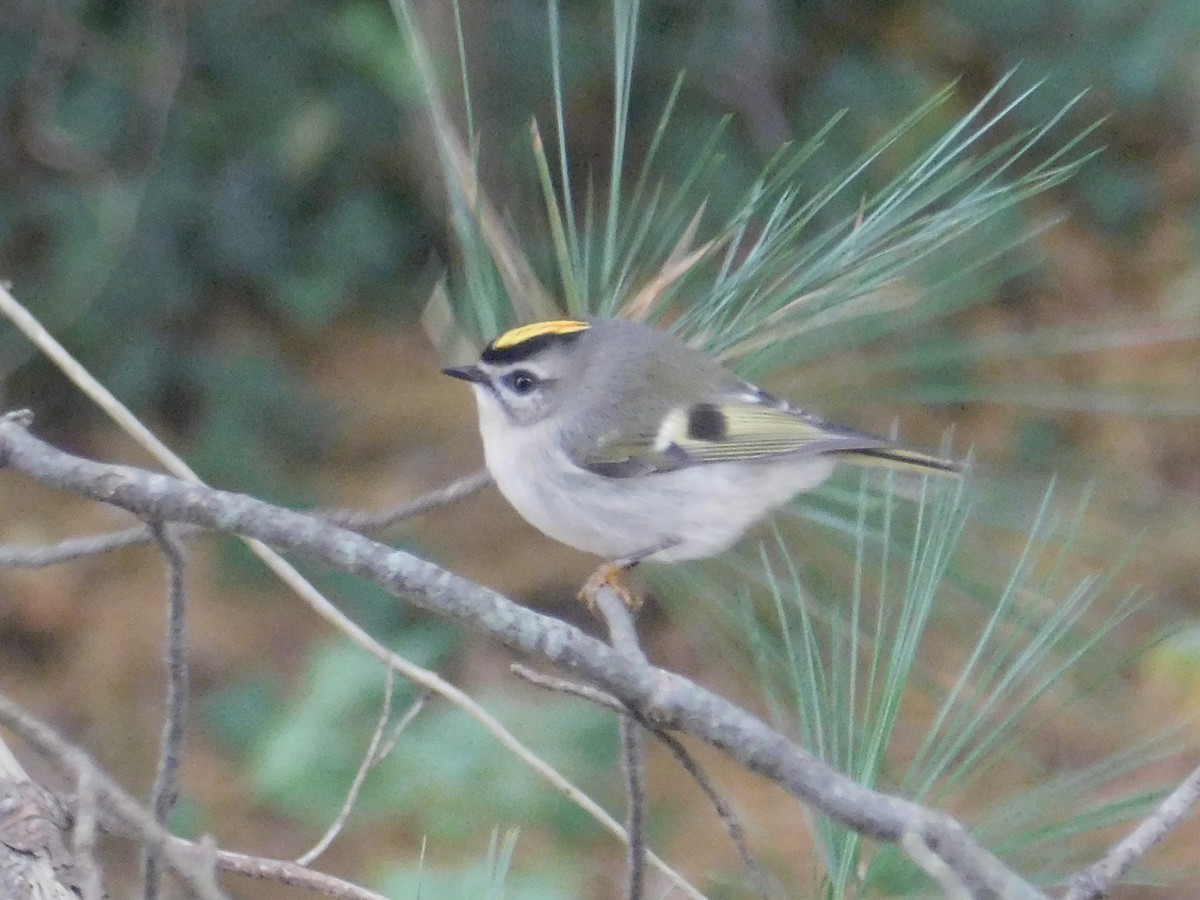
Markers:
<point>190,243</point>
<point>490,879</point>
<point>1138,60</point>
<point>308,748</point>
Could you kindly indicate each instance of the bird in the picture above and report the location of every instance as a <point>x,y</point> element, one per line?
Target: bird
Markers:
<point>617,438</point>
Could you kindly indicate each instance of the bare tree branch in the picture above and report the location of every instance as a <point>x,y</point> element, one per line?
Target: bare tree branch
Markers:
<point>633,769</point>
<point>622,633</point>
<point>358,520</point>
<point>193,862</point>
<point>565,686</point>
<point>1097,880</point>
<point>943,876</point>
<point>35,863</point>
<point>170,756</point>
<point>282,871</point>
<point>664,699</point>
<point>141,535</point>
<point>78,548</point>
<point>197,874</point>
<point>84,837</point>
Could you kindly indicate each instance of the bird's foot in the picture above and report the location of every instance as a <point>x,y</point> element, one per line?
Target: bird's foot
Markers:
<point>608,575</point>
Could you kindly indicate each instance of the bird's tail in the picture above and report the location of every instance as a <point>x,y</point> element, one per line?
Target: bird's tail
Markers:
<point>904,460</point>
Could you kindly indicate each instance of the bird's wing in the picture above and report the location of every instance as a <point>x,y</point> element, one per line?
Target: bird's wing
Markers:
<point>735,427</point>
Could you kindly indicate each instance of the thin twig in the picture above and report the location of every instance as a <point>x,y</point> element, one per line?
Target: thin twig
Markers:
<point>78,548</point>
<point>632,756</point>
<point>562,685</point>
<point>633,759</point>
<point>623,635</point>
<point>385,750</point>
<point>95,391</point>
<point>170,754</point>
<point>724,811</point>
<point>368,762</point>
<point>286,872</point>
<point>915,846</point>
<point>358,520</point>
<point>624,714</point>
<point>83,837</point>
<point>1098,879</point>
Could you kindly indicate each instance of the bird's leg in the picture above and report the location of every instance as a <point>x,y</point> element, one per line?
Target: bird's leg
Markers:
<point>608,575</point>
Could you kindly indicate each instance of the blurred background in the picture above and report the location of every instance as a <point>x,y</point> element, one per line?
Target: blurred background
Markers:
<point>233,214</point>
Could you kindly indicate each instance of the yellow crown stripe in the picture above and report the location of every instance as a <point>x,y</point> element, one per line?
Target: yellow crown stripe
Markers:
<point>523,333</point>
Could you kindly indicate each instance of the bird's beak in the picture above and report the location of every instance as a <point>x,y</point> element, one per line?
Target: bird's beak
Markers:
<point>473,374</point>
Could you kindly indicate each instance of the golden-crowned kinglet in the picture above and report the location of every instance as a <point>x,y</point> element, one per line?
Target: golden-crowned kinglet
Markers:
<point>618,439</point>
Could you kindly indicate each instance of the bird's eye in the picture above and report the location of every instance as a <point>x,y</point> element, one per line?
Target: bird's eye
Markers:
<point>521,382</point>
